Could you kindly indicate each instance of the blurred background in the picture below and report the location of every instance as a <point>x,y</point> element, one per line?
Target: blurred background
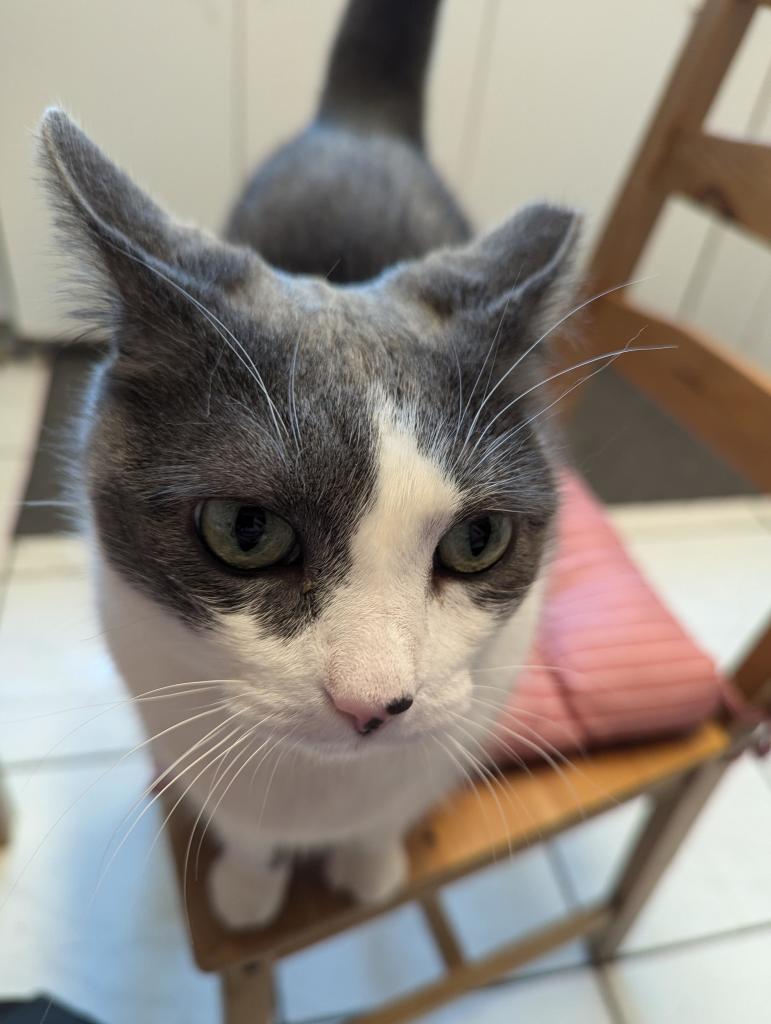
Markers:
<point>525,100</point>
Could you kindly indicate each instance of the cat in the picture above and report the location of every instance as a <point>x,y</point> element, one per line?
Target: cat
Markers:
<point>316,477</point>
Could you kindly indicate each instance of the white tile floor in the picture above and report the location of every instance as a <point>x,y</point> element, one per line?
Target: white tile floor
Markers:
<point>106,935</point>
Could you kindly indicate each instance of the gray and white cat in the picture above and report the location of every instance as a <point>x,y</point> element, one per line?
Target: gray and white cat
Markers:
<point>318,484</point>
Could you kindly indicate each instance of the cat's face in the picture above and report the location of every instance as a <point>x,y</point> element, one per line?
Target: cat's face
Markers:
<point>338,493</point>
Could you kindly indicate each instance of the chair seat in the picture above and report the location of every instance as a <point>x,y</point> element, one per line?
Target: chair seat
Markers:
<point>611,663</point>
<point>472,829</point>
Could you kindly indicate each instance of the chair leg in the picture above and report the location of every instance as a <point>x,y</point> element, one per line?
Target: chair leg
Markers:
<point>669,822</point>
<point>247,993</point>
<point>442,931</point>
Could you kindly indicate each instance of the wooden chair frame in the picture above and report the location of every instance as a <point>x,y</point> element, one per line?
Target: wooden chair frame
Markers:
<point>715,394</point>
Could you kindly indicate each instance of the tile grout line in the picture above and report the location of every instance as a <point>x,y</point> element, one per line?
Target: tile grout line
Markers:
<point>567,888</point>
<point>68,762</point>
<point>676,945</point>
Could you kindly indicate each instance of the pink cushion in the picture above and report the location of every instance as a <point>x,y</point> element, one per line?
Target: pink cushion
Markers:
<point>610,662</point>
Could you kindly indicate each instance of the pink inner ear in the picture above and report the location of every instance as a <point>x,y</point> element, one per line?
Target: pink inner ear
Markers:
<point>626,668</point>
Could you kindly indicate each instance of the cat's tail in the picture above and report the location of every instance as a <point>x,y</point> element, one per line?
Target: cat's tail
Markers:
<point>377,68</point>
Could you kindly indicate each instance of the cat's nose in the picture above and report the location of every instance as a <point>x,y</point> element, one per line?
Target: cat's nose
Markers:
<point>367,717</point>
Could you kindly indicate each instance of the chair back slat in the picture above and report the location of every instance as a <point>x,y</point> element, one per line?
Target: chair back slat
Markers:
<point>731,177</point>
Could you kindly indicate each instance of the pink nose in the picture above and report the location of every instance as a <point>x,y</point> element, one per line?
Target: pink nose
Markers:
<point>367,717</point>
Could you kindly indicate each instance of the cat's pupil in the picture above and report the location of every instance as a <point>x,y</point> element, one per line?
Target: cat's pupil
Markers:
<point>249,526</point>
<point>479,535</point>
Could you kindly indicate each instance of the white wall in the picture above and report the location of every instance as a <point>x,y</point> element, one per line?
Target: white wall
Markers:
<point>526,100</point>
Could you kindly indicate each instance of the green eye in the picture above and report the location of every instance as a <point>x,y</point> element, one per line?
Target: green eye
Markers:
<point>246,537</point>
<point>476,544</point>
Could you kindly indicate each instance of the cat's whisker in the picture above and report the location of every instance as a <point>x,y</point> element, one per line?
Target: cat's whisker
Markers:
<point>221,772</point>
<point>243,738</point>
<point>40,503</point>
<point>291,396</point>
<point>494,731</point>
<point>159,794</point>
<point>460,394</point>
<point>168,772</point>
<point>518,759</point>
<point>210,388</point>
<point>206,709</point>
<point>516,711</point>
<point>563,319</point>
<point>224,767</point>
<point>186,689</point>
<point>610,359</point>
<point>271,742</point>
<point>546,750</point>
<point>494,708</point>
<point>607,358</point>
<point>482,772</point>
<point>221,775</point>
<point>150,695</point>
<point>252,732</point>
<point>488,390</point>
<point>469,781</point>
<point>504,668</point>
<point>493,768</point>
<point>493,347</point>
<point>273,775</point>
<point>81,796</point>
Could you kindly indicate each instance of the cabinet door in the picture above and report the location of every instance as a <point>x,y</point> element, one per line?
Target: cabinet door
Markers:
<point>152,82</point>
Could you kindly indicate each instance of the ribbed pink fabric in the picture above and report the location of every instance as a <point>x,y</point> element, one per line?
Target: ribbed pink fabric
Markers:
<point>620,666</point>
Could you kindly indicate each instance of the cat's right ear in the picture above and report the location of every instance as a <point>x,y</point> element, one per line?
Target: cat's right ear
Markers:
<point>142,257</point>
<point>507,283</point>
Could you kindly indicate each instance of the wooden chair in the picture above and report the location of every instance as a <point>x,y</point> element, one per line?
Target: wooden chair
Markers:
<point>714,393</point>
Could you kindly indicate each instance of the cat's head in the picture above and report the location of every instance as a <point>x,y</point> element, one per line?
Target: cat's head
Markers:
<point>340,493</point>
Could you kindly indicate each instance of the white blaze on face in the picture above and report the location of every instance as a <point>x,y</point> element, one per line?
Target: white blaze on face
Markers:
<point>374,625</point>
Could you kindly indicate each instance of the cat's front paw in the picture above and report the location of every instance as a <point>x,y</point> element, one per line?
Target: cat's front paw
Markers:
<point>244,897</point>
<point>371,874</point>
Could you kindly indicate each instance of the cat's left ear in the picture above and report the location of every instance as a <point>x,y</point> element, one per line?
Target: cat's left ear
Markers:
<point>139,253</point>
<point>507,281</point>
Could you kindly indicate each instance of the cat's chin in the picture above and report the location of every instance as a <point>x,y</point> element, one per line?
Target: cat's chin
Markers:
<point>350,745</point>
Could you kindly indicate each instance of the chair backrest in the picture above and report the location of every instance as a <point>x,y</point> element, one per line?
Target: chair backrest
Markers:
<point>709,389</point>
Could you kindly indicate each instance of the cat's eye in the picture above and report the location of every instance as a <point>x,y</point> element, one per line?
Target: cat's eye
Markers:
<point>476,544</point>
<point>246,537</point>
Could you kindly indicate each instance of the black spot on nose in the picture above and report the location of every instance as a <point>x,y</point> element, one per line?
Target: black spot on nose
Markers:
<point>371,725</point>
<point>396,707</point>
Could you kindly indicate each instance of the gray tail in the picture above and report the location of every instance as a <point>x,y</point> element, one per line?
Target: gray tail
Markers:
<point>377,67</point>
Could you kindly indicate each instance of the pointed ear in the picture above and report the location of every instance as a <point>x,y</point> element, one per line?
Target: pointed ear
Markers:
<point>506,281</point>
<point>139,253</point>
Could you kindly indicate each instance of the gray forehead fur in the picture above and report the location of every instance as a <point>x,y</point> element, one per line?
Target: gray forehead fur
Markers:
<point>203,331</point>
